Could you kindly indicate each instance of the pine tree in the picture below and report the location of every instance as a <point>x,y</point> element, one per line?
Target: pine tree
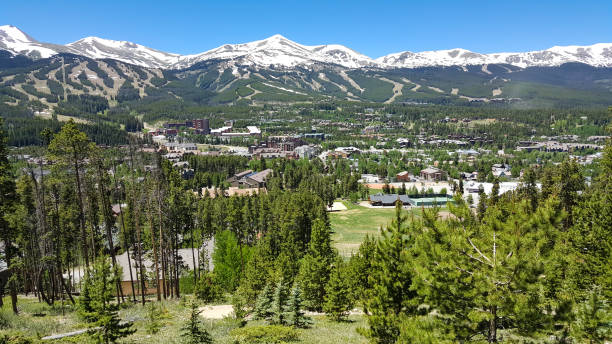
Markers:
<point>154,313</point>
<point>315,266</point>
<point>391,280</point>
<point>263,306</point>
<point>293,310</point>
<point>360,266</point>
<point>482,203</point>
<point>281,293</point>
<point>70,148</point>
<point>593,319</point>
<point>338,301</point>
<point>489,274</point>
<point>193,331</point>
<point>97,306</point>
<point>8,233</point>
<point>494,192</point>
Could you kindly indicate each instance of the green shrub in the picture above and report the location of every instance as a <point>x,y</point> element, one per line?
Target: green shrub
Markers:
<point>270,334</point>
<point>16,338</point>
<point>207,289</point>
<point>186,283</point>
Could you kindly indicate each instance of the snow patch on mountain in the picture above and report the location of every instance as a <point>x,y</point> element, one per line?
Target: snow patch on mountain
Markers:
<point>99,48</point>
<point>598,55</point>
<point>278,51</point>
<point>18,42</point>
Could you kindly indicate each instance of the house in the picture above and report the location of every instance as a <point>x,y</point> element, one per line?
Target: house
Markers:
<point>235,179</point>
<point>403,142</point>
<point>187,173</point>
<point>188,147</point>
<point>469,175</point>
<point>370,179</point>
<point>388,199</point>
<point>188,261</point>
<point>403,177</point>
<point>233,191</point>
<point>250,179</point>
<point>501,170</point>
<point>258,180</point>
<point>305,151</point>
<point>433,174</point>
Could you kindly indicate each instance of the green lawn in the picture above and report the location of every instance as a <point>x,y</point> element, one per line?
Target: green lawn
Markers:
<point>352,225</point>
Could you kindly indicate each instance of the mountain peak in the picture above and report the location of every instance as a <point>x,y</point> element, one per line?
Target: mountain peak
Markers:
<point>276,37</point>
<point>14,33</point>
<point>279,51</point>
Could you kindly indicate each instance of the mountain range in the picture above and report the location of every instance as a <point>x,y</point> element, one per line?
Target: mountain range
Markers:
<point>279,51</point>
<point>37,76</point>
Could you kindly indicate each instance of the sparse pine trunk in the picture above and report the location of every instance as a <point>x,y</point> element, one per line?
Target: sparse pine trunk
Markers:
<point>493,326</point>
<point>155,258</point>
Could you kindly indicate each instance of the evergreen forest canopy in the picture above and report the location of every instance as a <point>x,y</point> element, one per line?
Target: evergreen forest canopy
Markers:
<point>532,265</point>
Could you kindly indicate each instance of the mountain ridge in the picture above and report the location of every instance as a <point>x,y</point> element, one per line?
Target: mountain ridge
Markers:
<point>280,51</point>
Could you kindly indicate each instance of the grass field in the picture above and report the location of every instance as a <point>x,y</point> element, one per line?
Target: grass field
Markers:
<point>352,225</point>
<point>38,319</point>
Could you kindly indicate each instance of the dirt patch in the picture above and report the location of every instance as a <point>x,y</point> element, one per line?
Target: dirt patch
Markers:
<point>337,206</point>
<point>216,312</point>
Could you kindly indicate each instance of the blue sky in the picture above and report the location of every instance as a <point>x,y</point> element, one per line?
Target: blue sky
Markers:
<point>374,28</point>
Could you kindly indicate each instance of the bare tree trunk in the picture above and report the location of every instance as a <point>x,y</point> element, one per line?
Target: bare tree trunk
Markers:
<point>155,259</point>
<point>195,267</point>
<point>81,212</point>
<point>108,219</point>
<point>126,245</point>
<point>493,326</point>
<point>140,263</point>
<point>164,262</point>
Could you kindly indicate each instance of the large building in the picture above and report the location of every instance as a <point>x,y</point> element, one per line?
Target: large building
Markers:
<point>202,126</point>
<point>250,179</point>
<point>433,174</point>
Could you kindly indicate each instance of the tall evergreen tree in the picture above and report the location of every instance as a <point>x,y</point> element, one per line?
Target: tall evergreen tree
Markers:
<point>8,235</point>
<point>70,147</point>
<point>391,280</point>
<point>482,276</point>
<point>338,300</point>
<point>316,266</point>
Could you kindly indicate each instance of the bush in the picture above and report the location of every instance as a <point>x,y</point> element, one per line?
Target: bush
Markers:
<point>186,283</point>
<point>270,334</point>
<point>16,338</point>
<point>207,289</point>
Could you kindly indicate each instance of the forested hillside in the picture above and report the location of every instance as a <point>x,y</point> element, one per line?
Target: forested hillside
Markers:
<point>530,265</point>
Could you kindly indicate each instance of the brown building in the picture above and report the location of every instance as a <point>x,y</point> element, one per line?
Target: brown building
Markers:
<point>433,174</point>
<point>235,179</point>
<point>202,125</point>
<point>403,176</point>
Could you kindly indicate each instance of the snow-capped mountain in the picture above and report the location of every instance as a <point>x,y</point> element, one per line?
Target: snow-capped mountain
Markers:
<point>599,55</point>
<point>18,42</point>
<point>280,51</point>
<point>99,48</point>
